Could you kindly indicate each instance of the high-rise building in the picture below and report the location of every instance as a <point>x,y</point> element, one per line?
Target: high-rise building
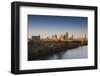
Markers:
<point>72,37</point>
<point>85,36</point>
<point>66,36</point>
<point>62,37</point>
<point>54,37</point>
<point>36,38</point>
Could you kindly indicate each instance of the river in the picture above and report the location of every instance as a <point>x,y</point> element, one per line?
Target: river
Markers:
<point>77,53</point>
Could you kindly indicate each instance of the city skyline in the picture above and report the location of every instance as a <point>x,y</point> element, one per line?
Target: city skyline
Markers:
<point>46,26</point>
<point>62,37</point>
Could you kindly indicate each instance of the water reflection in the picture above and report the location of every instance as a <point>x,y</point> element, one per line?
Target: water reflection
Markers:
<point>77,53</point>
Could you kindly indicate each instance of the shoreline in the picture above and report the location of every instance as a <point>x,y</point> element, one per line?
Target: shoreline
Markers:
<point>38,50</point>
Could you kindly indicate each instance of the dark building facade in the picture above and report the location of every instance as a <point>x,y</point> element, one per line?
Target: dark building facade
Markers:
<point>35,38</point>
<point>66,36</point>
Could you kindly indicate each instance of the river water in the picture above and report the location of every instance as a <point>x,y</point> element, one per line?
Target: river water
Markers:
<point>77,53</point>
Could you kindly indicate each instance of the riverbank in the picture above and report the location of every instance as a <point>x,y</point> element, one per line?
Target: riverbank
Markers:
<point>39,49</point>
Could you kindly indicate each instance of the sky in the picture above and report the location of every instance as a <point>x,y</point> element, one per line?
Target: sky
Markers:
<point>45,25</point>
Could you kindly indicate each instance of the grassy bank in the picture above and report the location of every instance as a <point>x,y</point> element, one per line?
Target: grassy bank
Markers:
<point>44,48</point>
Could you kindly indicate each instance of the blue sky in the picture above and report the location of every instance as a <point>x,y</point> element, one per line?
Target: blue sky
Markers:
<point>45,26</point>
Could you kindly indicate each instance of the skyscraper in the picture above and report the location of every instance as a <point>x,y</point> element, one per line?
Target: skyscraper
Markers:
<point>54,37</point>
<point>66,36</point>
<point>85,36</point>
<point>36,38</point>
<point>72,37</point>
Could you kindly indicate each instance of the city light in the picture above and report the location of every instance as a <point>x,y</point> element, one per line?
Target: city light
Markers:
<point>60,37</point>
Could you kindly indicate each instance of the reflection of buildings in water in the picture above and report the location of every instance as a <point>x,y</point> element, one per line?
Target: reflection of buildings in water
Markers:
<point>60,55</point>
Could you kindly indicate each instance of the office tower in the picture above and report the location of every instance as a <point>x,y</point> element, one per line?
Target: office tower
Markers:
<point>35,38</point>
<point>66,36</point>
